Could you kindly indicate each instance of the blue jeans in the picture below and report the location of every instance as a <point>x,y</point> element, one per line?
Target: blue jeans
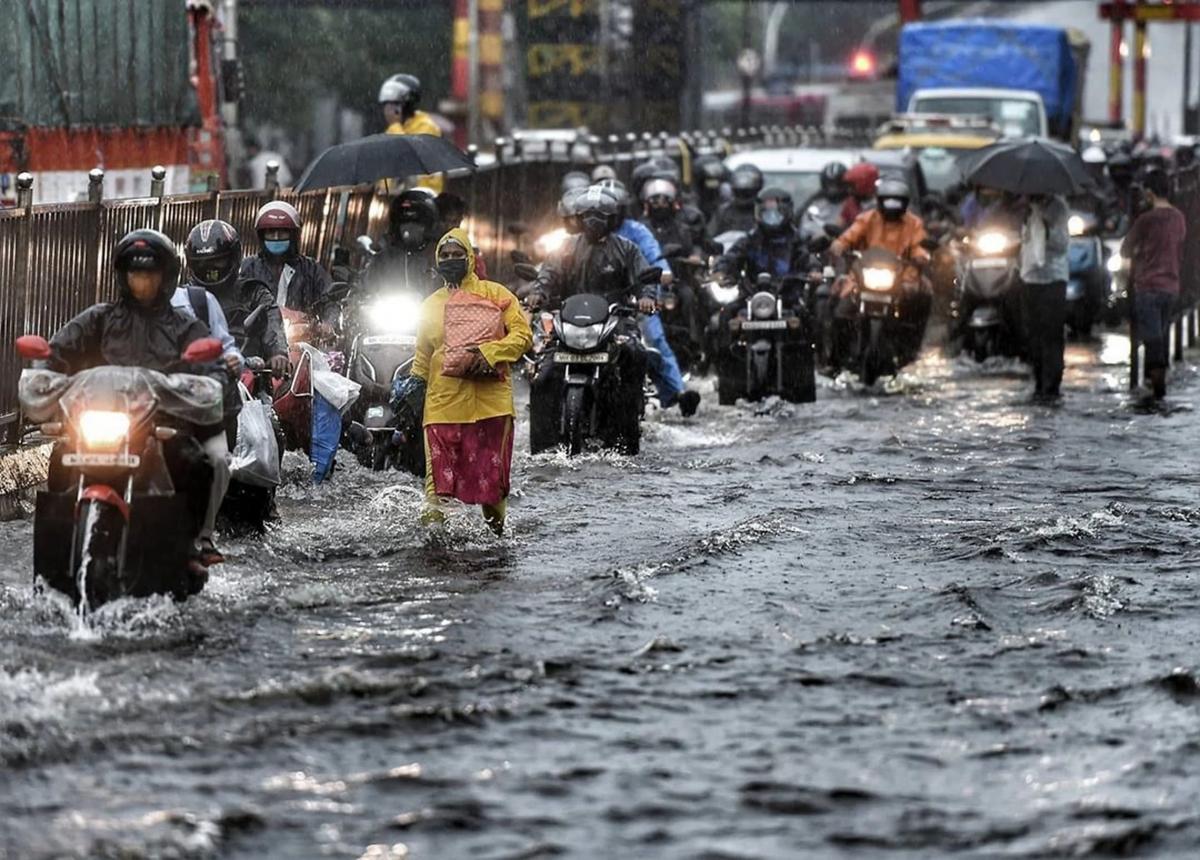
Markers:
<point>664,368</point>
<point>1152,323</point>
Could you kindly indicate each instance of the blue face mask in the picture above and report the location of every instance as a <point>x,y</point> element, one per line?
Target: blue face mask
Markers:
<point>772,217</point>
<point>277,247</point>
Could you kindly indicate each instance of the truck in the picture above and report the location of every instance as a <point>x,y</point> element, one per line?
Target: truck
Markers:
<point>1026,78</point>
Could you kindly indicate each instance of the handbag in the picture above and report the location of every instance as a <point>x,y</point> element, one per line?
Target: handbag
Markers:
<point>470,321</point>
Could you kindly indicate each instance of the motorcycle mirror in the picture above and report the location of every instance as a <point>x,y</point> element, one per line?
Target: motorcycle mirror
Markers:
<point>526,271</point>
<point>254,316</point>
<point>202,351</point>
<point>33,346</point>
<point>367,246</point>
<point>520,257</point>
<point>650,276</point>
<point>832,230</point>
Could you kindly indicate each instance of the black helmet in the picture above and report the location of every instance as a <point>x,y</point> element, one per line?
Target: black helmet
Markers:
<point>710,172</point>
<point>746,182</point>
<point>773,209</point>
<point>147,250</point>
<point>413,218</point>
<point>892,195</point>
<point>404,90</point>
<point>574,179</point>
<point>833,179</point>
<point>568,211</point>
<point>214,254</point>
<point>599,212</point>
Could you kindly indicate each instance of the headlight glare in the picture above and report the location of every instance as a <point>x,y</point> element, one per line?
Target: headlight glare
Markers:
<point>879,278</point>
<point>992,243</point>
<point>722,294</point>
<point>103,429</point>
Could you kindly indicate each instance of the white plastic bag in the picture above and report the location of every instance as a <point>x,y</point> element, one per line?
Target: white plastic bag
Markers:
<point>334,387</point>
<point>255,459</point>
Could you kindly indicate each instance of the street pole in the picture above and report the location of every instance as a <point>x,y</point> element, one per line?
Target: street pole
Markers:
<point>474,129</point>
<point>1116,66</point>
<point>746,79</point>
<point>1140,50</point>
<point>1185,126</point>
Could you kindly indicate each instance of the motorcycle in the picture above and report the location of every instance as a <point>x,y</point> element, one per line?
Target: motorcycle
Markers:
<point>986,307</point>
<point>1089,283</point>
<point>766,346</point>
<point>888,331</point>
<point>595,399</point>
<point>112,525</point>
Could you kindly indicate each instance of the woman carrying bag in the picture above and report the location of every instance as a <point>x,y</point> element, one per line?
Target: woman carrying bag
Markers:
<point>471,330</point>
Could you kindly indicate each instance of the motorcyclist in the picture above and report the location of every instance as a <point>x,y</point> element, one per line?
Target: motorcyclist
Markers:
<point>664,366</point>
<point>663,214</point>
<point>214,257</point>
<point>407,248</point>
<point>738,213</point>
<point>774,247</point>
<point>1099,200</point>
<point>825,206</point>
<point>142,329</point>
<point>298,282</point>
<point>398,97</point>
<point>860,182</point>
<point>709,173</point>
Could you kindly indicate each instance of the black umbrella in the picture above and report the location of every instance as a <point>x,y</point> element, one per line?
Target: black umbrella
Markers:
<point>382,156</point>
<point>1033,166</point>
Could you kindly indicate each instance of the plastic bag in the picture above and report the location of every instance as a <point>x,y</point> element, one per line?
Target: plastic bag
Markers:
<point>337,389</point>
<point>255,459</point>
<point>470,320</point>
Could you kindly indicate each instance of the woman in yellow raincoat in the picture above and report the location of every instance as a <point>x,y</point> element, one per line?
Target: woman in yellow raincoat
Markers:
<point>468,418</point>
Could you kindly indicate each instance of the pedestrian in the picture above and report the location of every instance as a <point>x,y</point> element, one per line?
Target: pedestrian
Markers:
<point>1155,246</point>
<point>468,401</point>
<point>1045,240</point>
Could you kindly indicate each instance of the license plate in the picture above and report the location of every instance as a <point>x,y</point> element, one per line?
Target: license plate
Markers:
<point>83,461</point>
<point>564,357</point>
<point>389,340</point>
<point>764,325</point>
<point>375,412</point>
<point>990,263</point>
<point>877,298</point>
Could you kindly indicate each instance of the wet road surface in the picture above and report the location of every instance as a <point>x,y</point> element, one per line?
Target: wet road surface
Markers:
<point>927,621</point>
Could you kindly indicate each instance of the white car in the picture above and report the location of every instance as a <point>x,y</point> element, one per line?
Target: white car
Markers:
<point>798,170</point>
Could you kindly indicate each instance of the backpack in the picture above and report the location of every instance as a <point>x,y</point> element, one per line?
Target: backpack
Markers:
<point>198,297</point>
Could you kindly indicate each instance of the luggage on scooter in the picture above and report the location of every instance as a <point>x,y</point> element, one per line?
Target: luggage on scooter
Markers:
<point>255,458</point>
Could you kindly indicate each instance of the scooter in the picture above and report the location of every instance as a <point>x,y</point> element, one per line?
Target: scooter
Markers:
<point>1089,282</point>
<point>112,525</point>
<point>986,307</point>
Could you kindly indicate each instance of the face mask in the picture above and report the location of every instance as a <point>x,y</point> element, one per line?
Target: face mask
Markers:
<point>412,236</point>
<point>277,247</point>
<point>595,227</point>
<point>452,271</point>
<point>772,218</point>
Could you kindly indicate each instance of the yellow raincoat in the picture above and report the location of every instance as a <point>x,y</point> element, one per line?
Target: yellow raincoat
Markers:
<point>421,123</point>
<point>458,400</point>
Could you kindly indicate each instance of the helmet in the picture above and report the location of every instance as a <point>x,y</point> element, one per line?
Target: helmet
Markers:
<point>710,172</point>
<point>833,179</point>
<point>616,188</point>
<point>893,196</point>
<point>773,209</point>
<point>214,253</point>
<point>278,215</point>
<point>147,250</point>
<point>598,211</point>
<point>747,181</point>
<point>602,172</point>
<point>659,167</point>
<point>660,188</point>
<point>1094,155</point>
<point>402,89</point>
<point>567,209</point>
<point>412,218</point>
<point>861,179</point>
<point>574,179</point>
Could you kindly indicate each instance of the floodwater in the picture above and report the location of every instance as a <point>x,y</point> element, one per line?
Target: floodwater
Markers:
<point>927,620</point>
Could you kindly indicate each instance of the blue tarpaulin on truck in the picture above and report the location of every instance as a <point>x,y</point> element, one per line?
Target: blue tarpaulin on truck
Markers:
<point>990,53</point>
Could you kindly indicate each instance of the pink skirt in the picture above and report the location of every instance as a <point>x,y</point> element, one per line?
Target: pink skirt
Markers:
<point>471,462</point>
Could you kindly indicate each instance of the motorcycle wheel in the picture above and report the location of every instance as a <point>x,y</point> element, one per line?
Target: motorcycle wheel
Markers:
<point>983,345</point>
<point>380,453</point>
<point>96,556</point>
<point>573,419</point>
<point>870,363</point>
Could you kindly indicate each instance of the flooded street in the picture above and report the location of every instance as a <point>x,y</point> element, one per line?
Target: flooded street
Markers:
<point>930,621</point>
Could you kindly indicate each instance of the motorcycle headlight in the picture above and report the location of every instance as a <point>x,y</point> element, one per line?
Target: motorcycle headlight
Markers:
<point>581,337</point>
<point>1075,225</point>
<point>723,295</point>
<point>103,429</point>
<point>1116,263</point>
<point>551,242</point>
<point>992,243</point>
<point>762,306</point>
<point>879,279</point>
<point>397,313</point>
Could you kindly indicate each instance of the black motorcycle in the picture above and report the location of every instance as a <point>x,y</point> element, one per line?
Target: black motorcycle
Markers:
<point>765,343</point>
<point>884,340</point>
<point>987,307</point>
<point>596,399</point>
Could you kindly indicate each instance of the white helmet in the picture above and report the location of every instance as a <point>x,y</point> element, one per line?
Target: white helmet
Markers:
<point>1094,155</point>
<point>405,89</point>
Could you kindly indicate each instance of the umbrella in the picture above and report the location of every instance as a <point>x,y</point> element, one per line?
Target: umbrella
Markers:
<point>382,156</point>
<point>1034,166</point>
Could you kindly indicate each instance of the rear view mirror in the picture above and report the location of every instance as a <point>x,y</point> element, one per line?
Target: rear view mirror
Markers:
<point>367,246</point>
<point>202,351</point>
<point>33,346</point>
<point>651,275</point>
<point>526,271</point>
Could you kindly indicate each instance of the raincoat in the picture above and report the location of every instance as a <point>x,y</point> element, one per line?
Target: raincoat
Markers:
<point>903,238</point>
<point>421,123</point>
<point>454,400</point>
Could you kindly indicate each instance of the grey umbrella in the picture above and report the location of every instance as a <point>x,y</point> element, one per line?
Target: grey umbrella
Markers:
<point>1033,166</point>
<point>382,156</point>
